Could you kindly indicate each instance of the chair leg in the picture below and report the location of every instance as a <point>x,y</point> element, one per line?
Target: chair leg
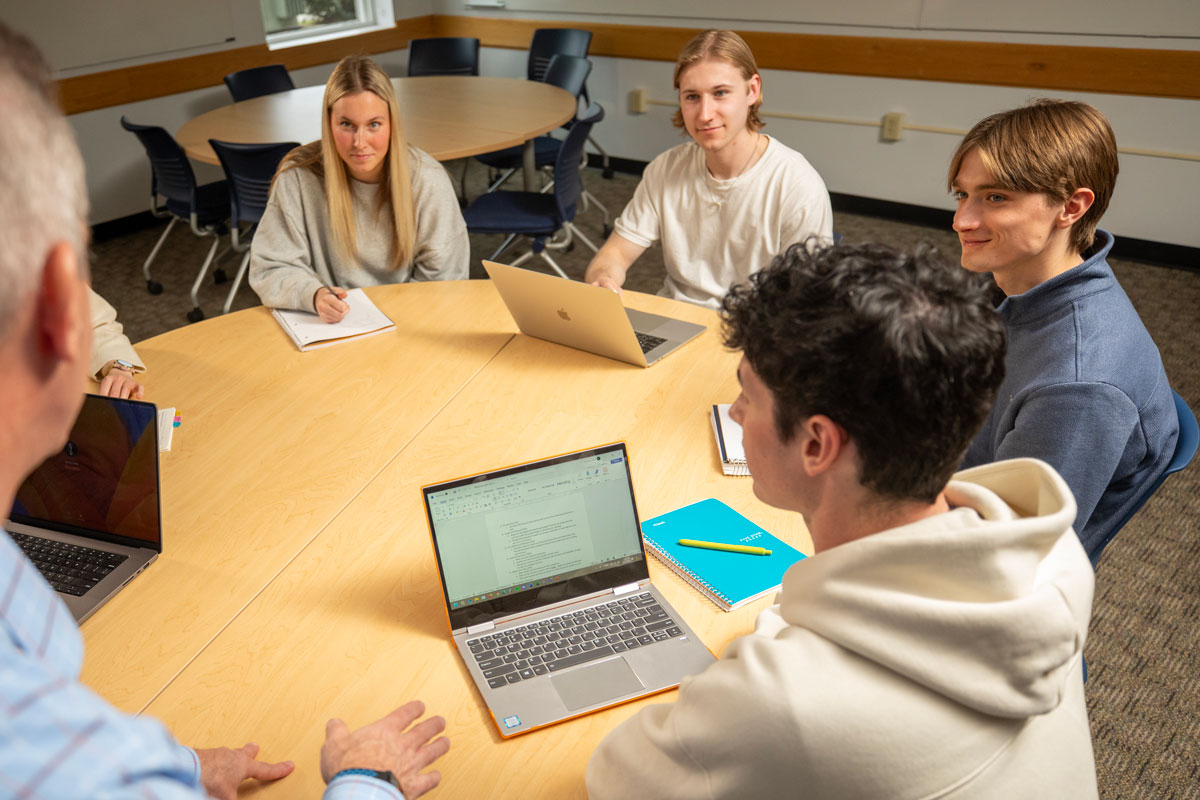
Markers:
<point>153,286</point>
<point>546,257</point>
<point>503,246</point>
<point>500,181</point>
<point>607,170</point>
<point>195,315</point>
<point>237,282</point>
<point>521,260</point>
<point>576,232</point>
<point>588,196</point>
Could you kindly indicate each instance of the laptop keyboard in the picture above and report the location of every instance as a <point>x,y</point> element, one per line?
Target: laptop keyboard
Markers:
<point>550,645</point>
<point>648,342</point>
<point>69,568</point>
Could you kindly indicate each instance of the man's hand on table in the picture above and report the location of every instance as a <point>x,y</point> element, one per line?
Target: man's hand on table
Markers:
<point>222,770</point>
<point>386,746</point>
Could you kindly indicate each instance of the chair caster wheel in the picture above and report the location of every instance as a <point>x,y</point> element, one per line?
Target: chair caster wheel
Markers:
<point>607,173</point>
<point>607,230</point>
<point>570,247</point>
<point>219,276</point>
<point>195,315</point>
<point>153,287</point>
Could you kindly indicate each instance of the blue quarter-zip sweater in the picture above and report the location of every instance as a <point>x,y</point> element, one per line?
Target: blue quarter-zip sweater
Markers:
<point>1084,391</point>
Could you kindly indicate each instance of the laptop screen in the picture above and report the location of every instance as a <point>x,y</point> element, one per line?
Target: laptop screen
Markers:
<point>103,483</point>
<point>525,537</point>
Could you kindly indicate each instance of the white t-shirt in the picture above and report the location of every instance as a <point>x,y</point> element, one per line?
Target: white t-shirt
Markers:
<point>717,233</point>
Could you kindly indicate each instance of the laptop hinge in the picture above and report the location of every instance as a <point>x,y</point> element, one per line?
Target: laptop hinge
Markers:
<point>481,627</point>
<point>626,589</point>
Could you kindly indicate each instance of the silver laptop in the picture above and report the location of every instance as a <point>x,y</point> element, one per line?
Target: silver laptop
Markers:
<point>587,317</point>
<point>547,592</point>
<point>89,517</point>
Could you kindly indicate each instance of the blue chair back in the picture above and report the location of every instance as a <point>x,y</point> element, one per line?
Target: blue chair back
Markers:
<point>568,72</point>
<point>443,55</point>
<point>249,170</point>
<point>548,42</point>
<point>568,183</point>
<point>1185,451</point>
<point>257,81</point>
<point>172,175</point>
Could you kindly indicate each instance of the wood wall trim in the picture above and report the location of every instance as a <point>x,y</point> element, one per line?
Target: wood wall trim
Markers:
<point>146,81</point>
<point>1109,70</point>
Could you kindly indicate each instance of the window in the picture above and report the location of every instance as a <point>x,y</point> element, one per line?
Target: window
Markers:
<point>294,21</point>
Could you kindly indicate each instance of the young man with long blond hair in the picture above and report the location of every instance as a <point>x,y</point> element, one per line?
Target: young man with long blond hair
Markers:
<point>359,207</point>
<point>1085,391</point>
<point>724,203</point>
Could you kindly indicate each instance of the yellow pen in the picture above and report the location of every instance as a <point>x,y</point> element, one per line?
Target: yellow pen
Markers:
<point>732,548</point>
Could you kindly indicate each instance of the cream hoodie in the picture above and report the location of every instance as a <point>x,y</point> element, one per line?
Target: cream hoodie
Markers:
<point>939,659</point>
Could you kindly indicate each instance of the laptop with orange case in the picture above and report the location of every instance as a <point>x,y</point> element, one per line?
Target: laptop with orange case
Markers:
<point>547,590</point>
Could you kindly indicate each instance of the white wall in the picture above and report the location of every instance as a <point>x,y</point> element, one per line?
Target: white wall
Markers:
<point>1154,198</point>
<point>118,174</point>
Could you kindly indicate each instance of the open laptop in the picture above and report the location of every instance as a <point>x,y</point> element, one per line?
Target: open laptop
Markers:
<point>547,591</point>
<point>587,317</point>
<point>89,516</point>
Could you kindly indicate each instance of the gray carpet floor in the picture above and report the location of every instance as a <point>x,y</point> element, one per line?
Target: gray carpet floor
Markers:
<point>1144,683</point>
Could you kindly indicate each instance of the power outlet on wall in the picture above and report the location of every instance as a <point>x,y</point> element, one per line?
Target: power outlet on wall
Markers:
<point>893,125</point>
<point>639,101</point>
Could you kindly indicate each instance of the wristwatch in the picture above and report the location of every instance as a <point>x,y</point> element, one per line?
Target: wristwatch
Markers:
<point>118,363</point>
<point>378,774</point>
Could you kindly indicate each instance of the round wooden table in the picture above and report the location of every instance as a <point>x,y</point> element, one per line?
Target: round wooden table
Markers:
<point>447,116</point>
<point>298,582</point>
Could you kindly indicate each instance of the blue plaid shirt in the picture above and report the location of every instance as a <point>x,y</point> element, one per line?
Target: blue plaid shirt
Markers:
<point>58,739</point>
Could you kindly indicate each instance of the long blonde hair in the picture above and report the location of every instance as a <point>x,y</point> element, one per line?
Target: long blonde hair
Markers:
<point>352,75</point>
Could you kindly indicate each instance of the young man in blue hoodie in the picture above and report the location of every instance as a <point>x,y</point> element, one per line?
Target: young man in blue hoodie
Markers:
<point>1085,389</point>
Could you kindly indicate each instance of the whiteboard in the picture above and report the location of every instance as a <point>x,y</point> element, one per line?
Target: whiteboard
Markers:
<point>84,33</point>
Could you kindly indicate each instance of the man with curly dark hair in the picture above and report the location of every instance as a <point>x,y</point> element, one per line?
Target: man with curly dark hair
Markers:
<point>932,645</point>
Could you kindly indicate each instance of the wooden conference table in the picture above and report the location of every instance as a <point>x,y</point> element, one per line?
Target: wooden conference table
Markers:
<point>298,581</point>
<point>447,116</point>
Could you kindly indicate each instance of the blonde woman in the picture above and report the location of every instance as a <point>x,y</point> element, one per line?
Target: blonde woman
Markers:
<point>725,202</point>
<point>346,212</point>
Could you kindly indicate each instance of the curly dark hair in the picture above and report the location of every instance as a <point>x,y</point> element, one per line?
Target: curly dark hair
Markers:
<point>902,350</point>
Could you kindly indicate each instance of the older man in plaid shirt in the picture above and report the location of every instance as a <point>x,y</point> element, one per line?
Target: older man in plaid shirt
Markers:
<point>57,738</point>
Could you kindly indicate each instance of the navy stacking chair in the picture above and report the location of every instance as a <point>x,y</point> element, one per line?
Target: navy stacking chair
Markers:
<point>205,208</point>
<point>443,55</point>
<point>258,81</point>
<point>249,170</point>
<point>569,73</point>
<point>540,215</point>
<point>1185,451</point>
<point>548,42</point>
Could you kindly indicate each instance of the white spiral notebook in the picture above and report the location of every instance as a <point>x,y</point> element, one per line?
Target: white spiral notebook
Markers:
<point>308,331</point>
<point>729,442</point>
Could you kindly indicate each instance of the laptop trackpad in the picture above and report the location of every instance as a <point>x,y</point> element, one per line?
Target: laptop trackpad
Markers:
<point>596,684</point>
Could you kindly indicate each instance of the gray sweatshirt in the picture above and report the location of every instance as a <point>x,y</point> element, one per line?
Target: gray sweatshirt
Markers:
<point>294,241</point>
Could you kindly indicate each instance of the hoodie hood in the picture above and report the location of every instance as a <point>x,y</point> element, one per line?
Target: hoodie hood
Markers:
<point>987,604</point>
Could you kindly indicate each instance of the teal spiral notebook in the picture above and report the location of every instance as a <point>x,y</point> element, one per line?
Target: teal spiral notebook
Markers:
<point>728,579</point>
